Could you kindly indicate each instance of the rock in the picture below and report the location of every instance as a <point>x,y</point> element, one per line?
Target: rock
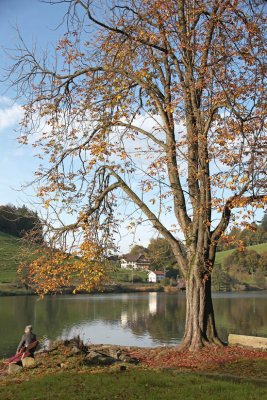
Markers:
<point>103,360</point>
<point>92,355</point>
<point>126,358</point>
<point>249,341</point>
<point>14,369</point>
<point>75,350</point>
<point>28,362</point>
<point>95,358</point>
<point>115,353</point>
<point>41,354</point>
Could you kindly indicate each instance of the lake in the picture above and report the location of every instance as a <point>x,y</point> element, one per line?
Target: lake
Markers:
<point>136,319</point>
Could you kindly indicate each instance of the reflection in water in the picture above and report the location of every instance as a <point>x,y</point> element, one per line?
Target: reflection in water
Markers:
<point>147,319</point>
<point>153,303</point>
<point>124,319</point>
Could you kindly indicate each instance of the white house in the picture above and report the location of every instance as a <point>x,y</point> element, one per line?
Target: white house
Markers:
<point>155,276</point>
<point>130,261</point>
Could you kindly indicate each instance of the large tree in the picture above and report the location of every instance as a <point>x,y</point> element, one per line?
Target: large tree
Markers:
<point>161,104</point>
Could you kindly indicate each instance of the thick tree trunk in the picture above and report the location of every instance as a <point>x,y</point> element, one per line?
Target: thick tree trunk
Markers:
<point>200,329</point>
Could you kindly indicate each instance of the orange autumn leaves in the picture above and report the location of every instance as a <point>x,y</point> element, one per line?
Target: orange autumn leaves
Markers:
<point>52,270</point>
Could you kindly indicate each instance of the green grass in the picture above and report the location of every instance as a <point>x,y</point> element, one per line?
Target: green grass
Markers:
<point>259,248</point>
<point>127,275</point>
<point>130,385</point>
<point>9,257</point>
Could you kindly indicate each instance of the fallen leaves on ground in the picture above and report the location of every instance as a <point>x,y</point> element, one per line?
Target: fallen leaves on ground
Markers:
<point>209,358</point>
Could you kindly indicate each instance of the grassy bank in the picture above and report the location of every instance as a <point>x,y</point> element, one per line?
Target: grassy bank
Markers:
<point>130,385</point>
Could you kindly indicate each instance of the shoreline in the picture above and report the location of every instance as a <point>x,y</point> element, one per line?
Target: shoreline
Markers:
<point>75,355</point>
<point>7,290</point>
<point>13,290</point>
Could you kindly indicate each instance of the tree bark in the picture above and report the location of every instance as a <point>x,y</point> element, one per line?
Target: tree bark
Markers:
<point>200,328</point>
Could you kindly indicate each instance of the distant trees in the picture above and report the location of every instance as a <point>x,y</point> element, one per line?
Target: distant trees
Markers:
<point>241,269</point>
<point>247,261</point>
<point>17,221</point>
<point>161,255</point>
<point>254,234</point>
<point>137,249</point>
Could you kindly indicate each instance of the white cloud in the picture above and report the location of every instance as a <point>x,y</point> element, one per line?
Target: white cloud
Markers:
<point>10,113</point>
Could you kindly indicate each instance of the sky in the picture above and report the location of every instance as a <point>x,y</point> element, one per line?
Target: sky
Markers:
<point>39,24</point>
<point>36,23</point>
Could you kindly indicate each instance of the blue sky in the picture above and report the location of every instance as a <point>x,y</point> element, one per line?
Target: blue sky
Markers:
<point>39,24</point>
<point>36,22</point>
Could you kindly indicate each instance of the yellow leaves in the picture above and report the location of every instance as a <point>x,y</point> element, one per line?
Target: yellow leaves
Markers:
<point>147,186</point>
<point>47,109</point>
<point>52,270</point>
<point>46,204</point>
<point>123,155</point>
<point>98,148</point>
<point>244,179</point>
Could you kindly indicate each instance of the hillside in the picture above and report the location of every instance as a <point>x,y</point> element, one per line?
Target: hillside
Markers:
<point>9,258</point>
<point>259,248</point>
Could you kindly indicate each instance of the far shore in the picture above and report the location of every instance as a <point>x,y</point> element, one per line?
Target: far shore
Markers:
<point>12,289</point>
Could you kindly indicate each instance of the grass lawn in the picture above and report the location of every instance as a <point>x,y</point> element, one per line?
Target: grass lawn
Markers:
<point>130,385</point>
<point>127,275</point>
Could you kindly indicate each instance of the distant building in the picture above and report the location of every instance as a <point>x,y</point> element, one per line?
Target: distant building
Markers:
<point>130,261</point>
<point>155,276</point>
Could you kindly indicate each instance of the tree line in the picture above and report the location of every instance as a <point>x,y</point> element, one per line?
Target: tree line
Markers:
<point>256,234</point>
<point>17,221</point>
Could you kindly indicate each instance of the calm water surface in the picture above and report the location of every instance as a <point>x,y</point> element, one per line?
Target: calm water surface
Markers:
<point>147,319</point>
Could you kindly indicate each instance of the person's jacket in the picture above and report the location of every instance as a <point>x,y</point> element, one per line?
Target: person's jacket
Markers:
<point>26,339</point>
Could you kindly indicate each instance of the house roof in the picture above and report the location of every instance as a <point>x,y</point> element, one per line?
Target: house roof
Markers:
<point>159,273</point>
<point>135,257</point>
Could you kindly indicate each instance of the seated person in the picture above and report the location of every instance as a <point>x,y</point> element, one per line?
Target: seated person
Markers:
<point>27,339</point>
<point>26,347</point>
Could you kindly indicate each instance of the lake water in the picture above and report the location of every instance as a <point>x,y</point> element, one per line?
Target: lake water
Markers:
<point>146,319</point>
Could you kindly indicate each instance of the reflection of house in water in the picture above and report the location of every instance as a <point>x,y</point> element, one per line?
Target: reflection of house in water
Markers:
<point>124,318</point>
<point>152,303</point>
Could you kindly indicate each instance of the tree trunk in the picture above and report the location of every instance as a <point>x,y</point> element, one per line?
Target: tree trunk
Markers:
<point>200,329</point>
